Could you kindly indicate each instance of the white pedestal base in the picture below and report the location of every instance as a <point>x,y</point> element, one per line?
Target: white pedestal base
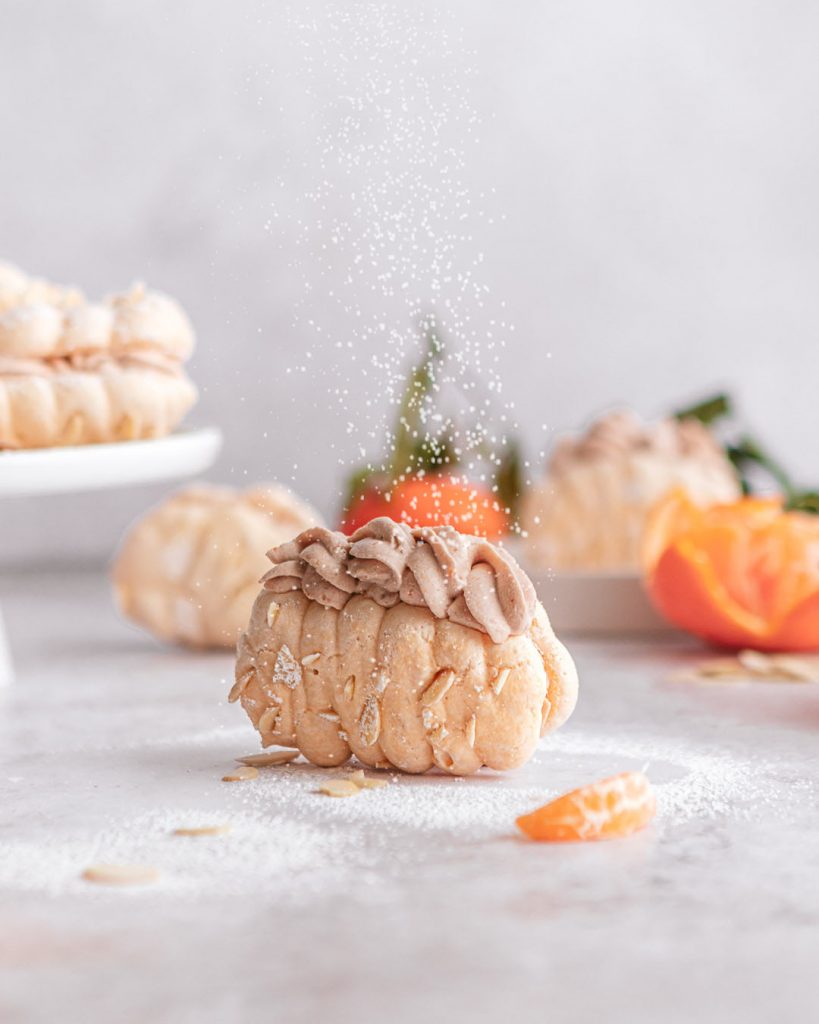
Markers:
<point>6,669</point>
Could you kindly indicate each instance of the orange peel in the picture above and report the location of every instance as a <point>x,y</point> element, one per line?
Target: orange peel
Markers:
<point>745,574</point>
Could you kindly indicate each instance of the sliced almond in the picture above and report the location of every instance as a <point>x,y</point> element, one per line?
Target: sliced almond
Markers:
<point>369,723</point>
<point>243,774</point>
<point>797,670</point>
<point>269,759</point>
<point>268,719</point>
<point>310,659</point>
<point>203,830</point>
<point>349,688</point>
<point>329,716</point>
<point>750,664</point>
<point>339,787</point>
<point>437,689</point>
<point>373,784</point>
<point>121,874</point>
<point>240,685</point>
<point>273,610</point>
<point>756,662</point>
<point>500,681</point>
<point>359,779</point>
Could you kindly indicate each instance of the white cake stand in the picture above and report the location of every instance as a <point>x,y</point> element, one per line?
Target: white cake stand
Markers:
<point>96,467</point>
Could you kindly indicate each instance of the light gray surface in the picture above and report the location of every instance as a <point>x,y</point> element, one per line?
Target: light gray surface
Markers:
<point>652,224</point>
<point>414,902</point>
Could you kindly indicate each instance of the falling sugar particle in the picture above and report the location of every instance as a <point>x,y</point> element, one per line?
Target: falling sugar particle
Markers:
<point>385,222</point>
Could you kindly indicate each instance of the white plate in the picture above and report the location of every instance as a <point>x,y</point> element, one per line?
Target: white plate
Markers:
<point>93,467</point>
<point>597,602</point>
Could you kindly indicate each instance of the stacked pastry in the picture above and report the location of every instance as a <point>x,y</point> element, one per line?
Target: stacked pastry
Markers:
<point>408,648</point>
<point>77,372</point>
<point>590,510</point>
<point>188,571</point>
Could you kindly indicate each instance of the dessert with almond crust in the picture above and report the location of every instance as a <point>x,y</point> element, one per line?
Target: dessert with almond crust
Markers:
<point>188,570</point>
<point>409,648</point>
<point>75,372</point>
<point>590,509</point>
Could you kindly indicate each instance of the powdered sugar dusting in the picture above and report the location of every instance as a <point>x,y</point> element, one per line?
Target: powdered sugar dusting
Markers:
<point>286,839</point>
<point>258,854</point>
<point>286,669</point>
<point>386,218</point>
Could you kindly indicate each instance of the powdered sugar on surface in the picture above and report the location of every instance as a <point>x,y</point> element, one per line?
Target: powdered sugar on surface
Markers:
<point>288,840</point>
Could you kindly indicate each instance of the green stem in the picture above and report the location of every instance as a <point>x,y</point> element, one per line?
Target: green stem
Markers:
<point>748,452</point>
<point>418,388</point>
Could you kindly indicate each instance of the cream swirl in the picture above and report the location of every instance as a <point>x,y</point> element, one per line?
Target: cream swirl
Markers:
<point>314,562</point>
<point>457,577</point>
<point>95,362</point>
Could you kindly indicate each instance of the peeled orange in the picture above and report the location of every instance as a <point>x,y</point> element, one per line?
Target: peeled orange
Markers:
<point>745,574</point>
<point>602,810</point>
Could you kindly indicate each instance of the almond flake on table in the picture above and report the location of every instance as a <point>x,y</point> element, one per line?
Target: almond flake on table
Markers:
<point>203,830</point>
<point>359,779</point>
<point>749,665</point>
<point>121,874</point>
<point>269,758</point>
<point>339,787</point>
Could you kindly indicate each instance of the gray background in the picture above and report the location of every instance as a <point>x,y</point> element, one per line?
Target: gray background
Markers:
<point>641,203</point>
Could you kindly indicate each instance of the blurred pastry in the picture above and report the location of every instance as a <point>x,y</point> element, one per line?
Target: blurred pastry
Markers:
<point>188,571</point>
<point>590,510</point>
<point>75,372</point>
<point>409,648</point>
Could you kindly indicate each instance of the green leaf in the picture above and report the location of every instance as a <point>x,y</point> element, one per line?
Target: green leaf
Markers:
<point>419,386</point>
<point>708,411</point>
<point>509,477</point>
<point>804,501</point>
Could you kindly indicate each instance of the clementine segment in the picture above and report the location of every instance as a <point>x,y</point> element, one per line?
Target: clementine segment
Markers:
<point>744,574</point>
<point>433,501</point>
<point>608,809</point>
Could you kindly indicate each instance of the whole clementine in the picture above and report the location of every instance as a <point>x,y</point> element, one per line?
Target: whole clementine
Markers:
<point>432,500</point>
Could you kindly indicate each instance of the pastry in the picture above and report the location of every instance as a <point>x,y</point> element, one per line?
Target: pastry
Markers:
<point>76,372</point>
<point>188,570</point>
<point>409,648</point>
<point>590,510</point>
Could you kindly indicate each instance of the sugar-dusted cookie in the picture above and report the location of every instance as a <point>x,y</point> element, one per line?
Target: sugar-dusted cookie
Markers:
<point>188,571</point>
<point>590,509</point>
<point>76,372</point>
<point>408,648</point>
